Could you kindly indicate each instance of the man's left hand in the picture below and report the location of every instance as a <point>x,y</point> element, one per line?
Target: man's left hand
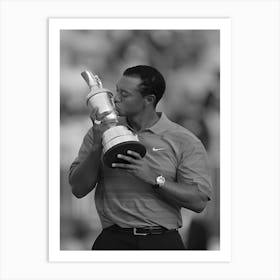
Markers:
<point>137,166</point>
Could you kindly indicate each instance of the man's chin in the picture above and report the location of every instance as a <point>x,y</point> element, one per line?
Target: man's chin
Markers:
<point>119,112</point>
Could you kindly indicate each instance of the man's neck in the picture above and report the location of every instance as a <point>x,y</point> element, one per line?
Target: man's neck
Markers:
<point>143,120</point>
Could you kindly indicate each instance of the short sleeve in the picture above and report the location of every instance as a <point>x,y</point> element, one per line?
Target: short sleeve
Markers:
<point>83,151</point>
<point>194,167</point>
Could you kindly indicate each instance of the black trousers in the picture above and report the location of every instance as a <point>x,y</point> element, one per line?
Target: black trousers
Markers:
<point>111,239</point>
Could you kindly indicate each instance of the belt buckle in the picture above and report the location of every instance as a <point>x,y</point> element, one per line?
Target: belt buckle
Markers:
<point>138,233</point>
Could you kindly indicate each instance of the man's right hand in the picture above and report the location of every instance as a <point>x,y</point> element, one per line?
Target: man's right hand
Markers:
<point>98,129</point>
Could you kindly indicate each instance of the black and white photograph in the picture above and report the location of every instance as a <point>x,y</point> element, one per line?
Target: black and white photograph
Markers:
<point>139,139</point>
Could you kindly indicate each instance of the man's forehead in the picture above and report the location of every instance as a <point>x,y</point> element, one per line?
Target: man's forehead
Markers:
<point>128,82</point>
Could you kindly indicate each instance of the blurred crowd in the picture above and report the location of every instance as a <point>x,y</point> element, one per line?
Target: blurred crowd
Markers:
<point>190,62</point>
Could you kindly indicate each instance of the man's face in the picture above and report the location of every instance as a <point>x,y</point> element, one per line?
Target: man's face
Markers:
<point>128,99</point>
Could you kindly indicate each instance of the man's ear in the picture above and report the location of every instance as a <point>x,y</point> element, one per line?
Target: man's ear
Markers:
<point>150,99</point>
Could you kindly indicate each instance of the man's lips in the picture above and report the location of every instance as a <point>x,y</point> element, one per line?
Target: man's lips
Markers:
<point>117,107</point>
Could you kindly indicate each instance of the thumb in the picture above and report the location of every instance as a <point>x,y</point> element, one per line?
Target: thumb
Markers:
<point>93,114</point>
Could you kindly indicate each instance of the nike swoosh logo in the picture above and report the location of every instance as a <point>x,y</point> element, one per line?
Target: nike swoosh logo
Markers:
<point>158,149</point>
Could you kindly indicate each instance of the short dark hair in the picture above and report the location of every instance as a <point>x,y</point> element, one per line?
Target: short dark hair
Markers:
<point>152,80</point>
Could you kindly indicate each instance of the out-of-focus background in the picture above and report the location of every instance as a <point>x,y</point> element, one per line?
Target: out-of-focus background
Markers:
<point>190,62</point>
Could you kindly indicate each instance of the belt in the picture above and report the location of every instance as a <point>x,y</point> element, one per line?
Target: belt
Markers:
<point>153,230</point>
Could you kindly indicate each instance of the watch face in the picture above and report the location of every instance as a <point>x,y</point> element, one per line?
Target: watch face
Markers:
<point>160,180</point>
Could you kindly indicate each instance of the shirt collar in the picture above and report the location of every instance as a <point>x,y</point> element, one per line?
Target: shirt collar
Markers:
<point>161,125</point>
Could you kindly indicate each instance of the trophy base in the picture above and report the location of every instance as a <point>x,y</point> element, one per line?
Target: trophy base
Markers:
<point>110,156</point>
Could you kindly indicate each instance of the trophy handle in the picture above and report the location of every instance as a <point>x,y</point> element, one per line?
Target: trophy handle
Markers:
<point>91,80</point>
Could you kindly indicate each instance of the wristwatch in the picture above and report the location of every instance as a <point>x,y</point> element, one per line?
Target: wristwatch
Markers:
<point>160,181</point>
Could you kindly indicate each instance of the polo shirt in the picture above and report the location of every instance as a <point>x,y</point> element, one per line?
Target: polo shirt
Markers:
<point>173,152</point>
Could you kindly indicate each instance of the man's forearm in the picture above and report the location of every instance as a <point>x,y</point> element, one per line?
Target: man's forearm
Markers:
<point>84,176</point>
<point>187,196</point>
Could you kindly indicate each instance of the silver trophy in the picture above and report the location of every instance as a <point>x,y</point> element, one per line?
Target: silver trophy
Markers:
<point>117,139</point>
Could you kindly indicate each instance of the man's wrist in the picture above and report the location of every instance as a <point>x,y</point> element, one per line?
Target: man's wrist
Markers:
<point>159,182</point>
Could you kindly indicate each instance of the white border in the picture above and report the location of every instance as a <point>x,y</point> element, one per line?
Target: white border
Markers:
<point>55,254</point>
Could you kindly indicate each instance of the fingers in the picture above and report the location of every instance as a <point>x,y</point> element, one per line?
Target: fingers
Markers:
<point>123,166</point>
<point>136,155</point>
<point>129,159</point>
<point>132,161</point>
<point>96,123</point>
<point>93,114</point>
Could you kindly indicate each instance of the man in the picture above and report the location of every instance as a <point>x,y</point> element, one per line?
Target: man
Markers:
<point>139,202</point>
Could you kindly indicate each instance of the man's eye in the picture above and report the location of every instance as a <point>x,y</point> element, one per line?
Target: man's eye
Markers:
<point>124,94</point>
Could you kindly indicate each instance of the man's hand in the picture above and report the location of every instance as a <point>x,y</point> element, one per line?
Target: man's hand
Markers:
<point>137,166</point>
<point>98,128</point>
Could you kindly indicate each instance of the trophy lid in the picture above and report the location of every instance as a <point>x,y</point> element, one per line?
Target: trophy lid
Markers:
<point>95,85</point>
<point>92,81</point>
